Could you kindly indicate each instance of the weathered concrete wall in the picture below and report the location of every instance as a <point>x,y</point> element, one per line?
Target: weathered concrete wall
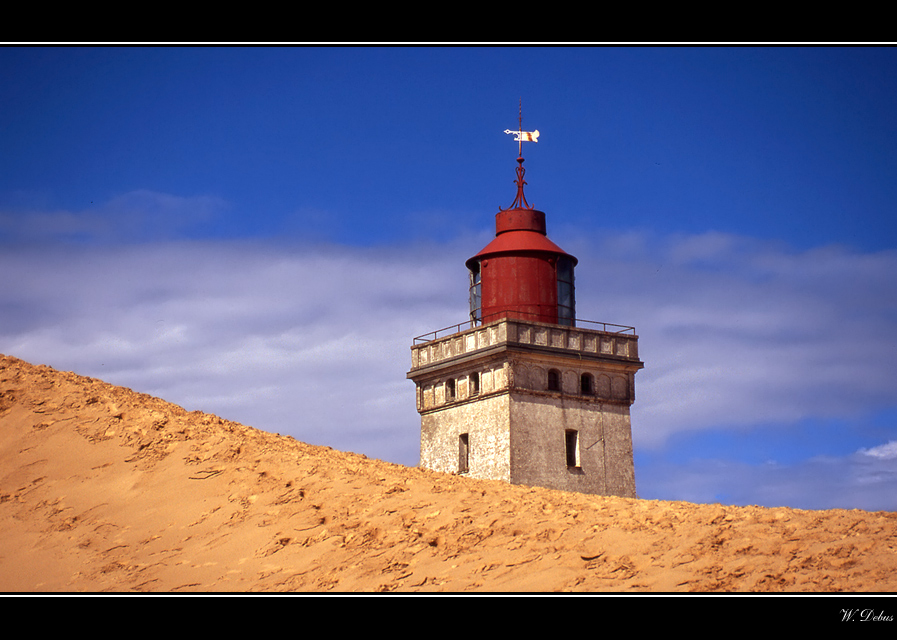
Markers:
<point>538,445</point>
<point>487,423</point>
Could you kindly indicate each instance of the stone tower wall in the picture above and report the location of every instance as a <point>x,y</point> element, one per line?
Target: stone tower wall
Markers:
<point>538,445</point>
<point>487,424</point>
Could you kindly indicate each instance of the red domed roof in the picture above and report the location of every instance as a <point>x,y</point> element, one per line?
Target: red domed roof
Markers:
<point>518,241</point>
<point>519,230</point>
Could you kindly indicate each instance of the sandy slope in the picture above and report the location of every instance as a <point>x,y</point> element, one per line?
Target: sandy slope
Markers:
<point>105,489</point>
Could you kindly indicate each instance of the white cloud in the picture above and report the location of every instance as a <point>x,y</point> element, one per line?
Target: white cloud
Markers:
<point>886,451</point>
<point>136,215</point>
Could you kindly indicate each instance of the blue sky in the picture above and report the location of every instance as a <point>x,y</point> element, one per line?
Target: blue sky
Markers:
<point>260,233</point>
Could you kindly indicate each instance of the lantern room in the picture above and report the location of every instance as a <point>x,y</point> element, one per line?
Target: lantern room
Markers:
<point>522,274</point>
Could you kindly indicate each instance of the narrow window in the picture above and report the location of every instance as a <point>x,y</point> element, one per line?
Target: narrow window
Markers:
<point>571,442</point>
<point>463,453</point>
<point>474,384</point>
<point>586,384</point>
<point>554,380</point>
<point>476,315</point>
<point>449,390</point>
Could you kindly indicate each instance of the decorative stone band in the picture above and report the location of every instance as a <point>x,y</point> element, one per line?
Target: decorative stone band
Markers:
<point>519,334</point>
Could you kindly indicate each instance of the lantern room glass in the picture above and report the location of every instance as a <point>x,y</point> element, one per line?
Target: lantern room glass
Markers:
<point>476,310</point>
<point>566,294</point>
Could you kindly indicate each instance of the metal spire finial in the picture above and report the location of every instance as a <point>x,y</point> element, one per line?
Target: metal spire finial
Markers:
<point>522,136</point>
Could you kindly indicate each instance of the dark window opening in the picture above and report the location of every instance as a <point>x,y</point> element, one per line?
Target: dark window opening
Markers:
<point>463,453</point>
<point>474,382</point>
<point>449,390</point>
<point>587,384</point>
<point>554,380</point>
<point>571,442</point>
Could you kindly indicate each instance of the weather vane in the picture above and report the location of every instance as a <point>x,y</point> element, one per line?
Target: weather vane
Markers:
<point>522,136</point>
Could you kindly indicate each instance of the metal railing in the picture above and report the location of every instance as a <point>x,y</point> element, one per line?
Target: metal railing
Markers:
<point>453,329</point>
<point>457,328</point>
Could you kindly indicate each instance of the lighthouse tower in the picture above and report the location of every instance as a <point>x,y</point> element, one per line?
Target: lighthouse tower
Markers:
<point>521,392</point>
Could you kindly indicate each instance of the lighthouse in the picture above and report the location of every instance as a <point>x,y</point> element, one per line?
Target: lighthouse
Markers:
<point>522,391</point>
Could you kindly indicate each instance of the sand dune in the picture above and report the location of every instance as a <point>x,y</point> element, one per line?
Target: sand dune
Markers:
<point>106,490</point>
